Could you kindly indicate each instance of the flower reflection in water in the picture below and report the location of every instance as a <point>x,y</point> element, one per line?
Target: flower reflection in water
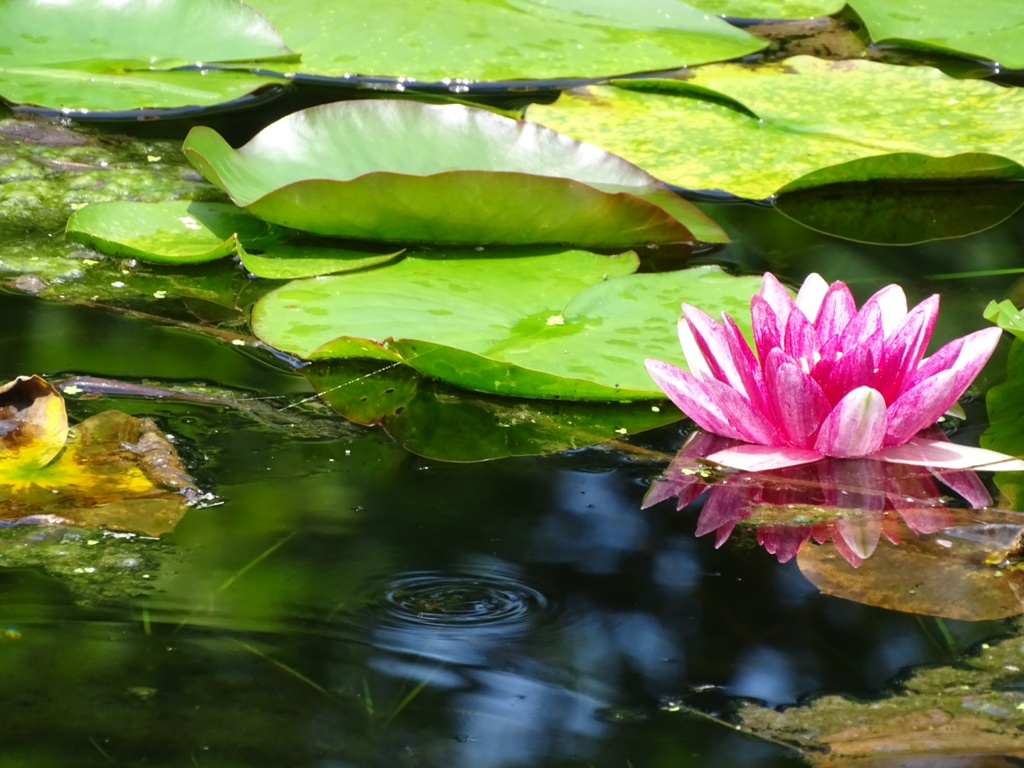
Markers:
<point>850,502</point>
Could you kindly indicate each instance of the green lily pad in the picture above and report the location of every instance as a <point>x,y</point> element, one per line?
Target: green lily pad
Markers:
<point>432,419</point>
<point>487,40</point>
<point>990,30</point>
<point>770,9</point>
<point>402,171</point>
<point>79,54</point>
<point>190,232</point>
<point>570,325</point>
<point>753,130</point>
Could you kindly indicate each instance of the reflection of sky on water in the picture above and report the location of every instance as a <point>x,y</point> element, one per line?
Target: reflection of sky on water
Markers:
<point>640,612</point>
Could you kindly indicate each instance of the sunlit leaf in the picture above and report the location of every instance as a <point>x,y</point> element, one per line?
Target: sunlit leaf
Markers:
<point>190,232</point>
<point>438,421</point>
<point>796,117</point>
<point>565,324</point>
<point>402,171</point>
<point>80,54</point>
<point>948,574</point>
<point>770,9</point>
<point>1006,315</point>
<point>519,39</point>
<point>989,30</point>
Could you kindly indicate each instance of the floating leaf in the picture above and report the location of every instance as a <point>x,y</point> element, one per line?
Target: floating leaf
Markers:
<point>190,232</point>
<point>402,171</point>
<point>515,40</point>
<point>945,574</point>
<point>796,117</point>
<point>33,427</point>
<point>80,54</point>
<point>438,421</point>
<point>770,9</point>
<point>989,30</point>
<point>1006,315</point>
<point>567,324</point>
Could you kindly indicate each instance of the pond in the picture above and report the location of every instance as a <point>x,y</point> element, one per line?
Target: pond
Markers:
<point>332,458</point>
<point>340,601</point>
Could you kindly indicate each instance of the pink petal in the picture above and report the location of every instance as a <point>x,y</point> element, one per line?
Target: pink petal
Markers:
<point>746,364</point>
<point>892,305</point>
<point>811,295</point>
<point>966,355</point>
<point>856,368</point>
<point>946,455</point>
<point>903,351</point>
<point>855,427</point>
<point>757,458</point>
<point>783,541</point>
<point>861,327</point>
<point>800,340</point>
<point>765,324</point>
<point>725,506</point>
<point>777,296</point>
<point>713,405</point>
<point>692,349</point>
<point>797,401</point>
<point>713,342</point>
<point>853,484</point>
<point>920,407</point>
<point>837,309</point>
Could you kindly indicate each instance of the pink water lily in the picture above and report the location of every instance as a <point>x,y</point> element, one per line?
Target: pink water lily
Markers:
<point>827,379</point>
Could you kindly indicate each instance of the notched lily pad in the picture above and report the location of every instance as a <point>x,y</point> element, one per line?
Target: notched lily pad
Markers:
<point>438,421</point>
<point>407,172</point>
<point>562,325</point>
<point>186,232</point>
<point>111,470</point>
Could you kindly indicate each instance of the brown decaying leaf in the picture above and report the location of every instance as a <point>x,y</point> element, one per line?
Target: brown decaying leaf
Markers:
<point>941,574</point>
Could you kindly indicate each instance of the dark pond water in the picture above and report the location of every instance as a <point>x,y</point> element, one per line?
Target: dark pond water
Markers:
<point>340,602</point>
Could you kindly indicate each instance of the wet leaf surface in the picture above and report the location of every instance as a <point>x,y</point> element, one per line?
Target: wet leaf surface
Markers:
<point>796,117</point>
<point>187,232</point>
<point>433,420</point>
<point>457,175</point>
<point>103,56</point>
<point>486,40</point>
<point>556,324</point>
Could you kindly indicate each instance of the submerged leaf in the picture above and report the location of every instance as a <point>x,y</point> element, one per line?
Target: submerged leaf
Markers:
<point>569,324</point>
<point>438,421</point>
<point>943,574</point>
<point>402,171</point>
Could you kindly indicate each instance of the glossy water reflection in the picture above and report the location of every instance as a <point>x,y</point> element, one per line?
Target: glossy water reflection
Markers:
<point>346,603</point>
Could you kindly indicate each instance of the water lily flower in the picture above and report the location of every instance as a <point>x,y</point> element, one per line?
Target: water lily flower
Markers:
<point>827,379</point>
<point>851,502</point>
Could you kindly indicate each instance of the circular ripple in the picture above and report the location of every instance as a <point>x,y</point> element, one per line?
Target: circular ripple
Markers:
<point>446,600</point>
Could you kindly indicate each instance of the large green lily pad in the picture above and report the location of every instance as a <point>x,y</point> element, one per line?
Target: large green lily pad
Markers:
<point>1005,403</point>
<point>432,419</point>
<point>570,325</point>
<point>187,232</point>
<point>402,171</point>
<point>752,130</point>
<point>770,9</point>
<point>80,54</point>
<point>489,40</point>
<point>989,30</point>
